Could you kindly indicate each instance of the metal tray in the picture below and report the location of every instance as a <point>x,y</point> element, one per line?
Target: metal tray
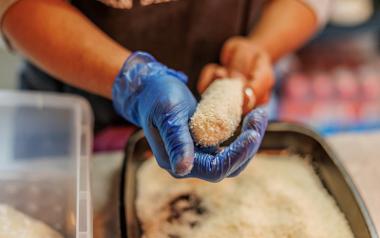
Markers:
<point>280,137</point>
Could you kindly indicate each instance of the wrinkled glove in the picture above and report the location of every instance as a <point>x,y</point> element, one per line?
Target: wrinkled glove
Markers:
<point>156,98</point>
<point>232,160</point>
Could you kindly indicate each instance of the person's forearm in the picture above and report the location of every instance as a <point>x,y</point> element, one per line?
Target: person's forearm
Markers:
<point>284,26</point>
<point>59,39</point>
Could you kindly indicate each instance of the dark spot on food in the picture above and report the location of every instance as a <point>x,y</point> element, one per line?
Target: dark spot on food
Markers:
<point>185,197</point>
<point>200,210</point>
<point>189,203</point>
<point>174,215</point>
<point>173,236</point>
<point>193,224</point>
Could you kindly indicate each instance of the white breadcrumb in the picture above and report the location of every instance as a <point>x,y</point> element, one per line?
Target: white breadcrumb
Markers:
<point>275,197</point>
<point>14,224</point>
<point>218,113</point>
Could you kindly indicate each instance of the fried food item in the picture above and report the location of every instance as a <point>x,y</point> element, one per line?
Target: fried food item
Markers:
<point>218,113</point>
<point>14,224</point>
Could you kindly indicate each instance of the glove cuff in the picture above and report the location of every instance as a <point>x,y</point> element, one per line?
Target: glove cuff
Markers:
<point>128,80</point>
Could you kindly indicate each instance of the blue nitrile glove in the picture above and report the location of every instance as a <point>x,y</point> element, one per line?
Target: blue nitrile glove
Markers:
<point>233,159</point>
<point>156,98</point>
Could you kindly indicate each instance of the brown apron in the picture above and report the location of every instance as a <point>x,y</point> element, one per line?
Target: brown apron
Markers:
<point>183,34</point>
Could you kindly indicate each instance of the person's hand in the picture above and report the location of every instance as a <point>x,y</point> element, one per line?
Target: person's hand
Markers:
<point>156,98</point>
<point>232,160</point>
<point>240,57</point>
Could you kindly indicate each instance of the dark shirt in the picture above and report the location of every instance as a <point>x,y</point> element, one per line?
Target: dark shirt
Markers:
<point>184,35</point>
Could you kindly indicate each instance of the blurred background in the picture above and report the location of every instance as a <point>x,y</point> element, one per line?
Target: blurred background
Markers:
<point>332,84</point>
<point>8,68</point>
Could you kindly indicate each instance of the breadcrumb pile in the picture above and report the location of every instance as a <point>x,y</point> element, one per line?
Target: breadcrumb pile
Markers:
<point>14,224</point>
<point>275,197</point>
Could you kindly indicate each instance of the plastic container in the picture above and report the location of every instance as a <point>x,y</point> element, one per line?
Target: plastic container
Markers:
<point>45,145</point>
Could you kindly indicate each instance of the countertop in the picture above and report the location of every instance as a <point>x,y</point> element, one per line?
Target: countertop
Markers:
<point>360,154</point>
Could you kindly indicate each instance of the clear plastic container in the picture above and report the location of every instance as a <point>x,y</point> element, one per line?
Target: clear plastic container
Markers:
<point>45,146</point>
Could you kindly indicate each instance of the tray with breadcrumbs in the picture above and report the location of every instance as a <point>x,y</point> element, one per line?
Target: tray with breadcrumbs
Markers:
<point>294,187</point>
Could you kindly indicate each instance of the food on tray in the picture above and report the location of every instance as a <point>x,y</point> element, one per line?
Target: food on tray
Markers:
<point>275,197</point>
<point>14,224</point>
<point>218,113</point>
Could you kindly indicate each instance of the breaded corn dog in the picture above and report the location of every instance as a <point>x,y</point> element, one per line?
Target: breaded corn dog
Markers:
<point>218,113</point>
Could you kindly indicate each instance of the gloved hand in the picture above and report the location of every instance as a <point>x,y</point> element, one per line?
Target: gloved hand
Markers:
<point>156,98</point>
<point>232,160</point>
